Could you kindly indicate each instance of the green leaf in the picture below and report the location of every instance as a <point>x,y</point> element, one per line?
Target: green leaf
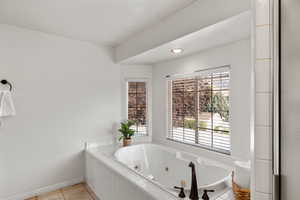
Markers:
<point>125,129</point>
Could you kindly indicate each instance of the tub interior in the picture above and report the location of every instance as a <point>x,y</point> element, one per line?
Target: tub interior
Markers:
<point>169,167</point>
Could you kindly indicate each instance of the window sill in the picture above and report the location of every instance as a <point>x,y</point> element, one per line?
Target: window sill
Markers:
<point>142,138</point>
<point>201,146</point>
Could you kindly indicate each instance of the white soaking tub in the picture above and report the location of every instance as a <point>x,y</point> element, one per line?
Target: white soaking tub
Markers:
<point>167,167</point>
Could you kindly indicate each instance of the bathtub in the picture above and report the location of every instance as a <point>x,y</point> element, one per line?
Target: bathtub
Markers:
<point>167,167</point>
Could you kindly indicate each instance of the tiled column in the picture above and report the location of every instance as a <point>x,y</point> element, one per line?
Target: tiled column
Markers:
<point>263,98</point>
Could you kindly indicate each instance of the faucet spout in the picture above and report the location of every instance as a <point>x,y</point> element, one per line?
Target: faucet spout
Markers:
<point>194,187</point>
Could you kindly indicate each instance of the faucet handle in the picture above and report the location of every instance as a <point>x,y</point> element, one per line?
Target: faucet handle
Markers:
<point>205,195</point>
<point>181,193</point>
<point>192,165</point>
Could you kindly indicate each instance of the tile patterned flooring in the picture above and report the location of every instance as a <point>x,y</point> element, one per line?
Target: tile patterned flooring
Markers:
<point>74,192</point>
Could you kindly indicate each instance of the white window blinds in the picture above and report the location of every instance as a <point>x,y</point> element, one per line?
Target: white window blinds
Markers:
<point>198,109</point>
<point>137,106</point>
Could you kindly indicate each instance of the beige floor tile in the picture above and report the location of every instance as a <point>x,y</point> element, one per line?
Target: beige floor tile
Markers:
<point>78,196</point>
<point>55,195</point>
<point>76,192</point>
<point>77,187</point>
<point>32,198</point>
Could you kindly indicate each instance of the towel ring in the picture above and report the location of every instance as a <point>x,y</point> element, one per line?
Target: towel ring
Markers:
<point>5,82</point>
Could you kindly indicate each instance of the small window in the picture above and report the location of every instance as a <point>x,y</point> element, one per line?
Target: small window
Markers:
<point>198,108</point>
<point>137,106</point>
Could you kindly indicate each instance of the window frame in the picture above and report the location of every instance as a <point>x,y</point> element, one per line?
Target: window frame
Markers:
<point>148,120</point>
<point>169,113</point>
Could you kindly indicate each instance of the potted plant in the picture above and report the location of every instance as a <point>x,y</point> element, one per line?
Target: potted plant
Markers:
<point>126,132</point>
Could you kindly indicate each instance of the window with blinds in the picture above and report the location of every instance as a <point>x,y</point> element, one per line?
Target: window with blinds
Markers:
<point>137,106</point>
<point>199,110</point>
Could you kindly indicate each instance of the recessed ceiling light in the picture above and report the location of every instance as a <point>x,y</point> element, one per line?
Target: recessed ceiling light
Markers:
<point>177,50</point>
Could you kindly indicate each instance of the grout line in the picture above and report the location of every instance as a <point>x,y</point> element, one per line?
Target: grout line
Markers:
<point>61,191</point>
<point>263,192</point>
<point>266,92</point>
<point>263,160</point>
<point>267,124</point>
<point>262,25</point>
<point>263,93</point>
<point>261,59</point>
<point>264,126</point>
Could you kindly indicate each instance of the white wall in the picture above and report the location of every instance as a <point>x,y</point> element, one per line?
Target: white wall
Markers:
<point>66,92</point>
<point>237,55</point>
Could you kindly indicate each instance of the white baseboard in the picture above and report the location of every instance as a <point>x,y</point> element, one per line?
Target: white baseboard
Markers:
<point>46,189</point>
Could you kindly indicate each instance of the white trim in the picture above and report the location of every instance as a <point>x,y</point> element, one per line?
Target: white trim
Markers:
<point>142,80</point>
<point>199,72</point>
<point>137,73</point>
<point>204,72</point>
<point>252,99</point>
<point>275,62</point>
<point>45,189</point>
<point>275,86</point>
<point>169,112</point>
<point>148,81</point>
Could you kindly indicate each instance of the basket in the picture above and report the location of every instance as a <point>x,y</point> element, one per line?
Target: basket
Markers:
<point>239,193</point>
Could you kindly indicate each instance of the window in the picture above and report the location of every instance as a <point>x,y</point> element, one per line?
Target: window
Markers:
<point>137,106</point>
<point>199,109</point>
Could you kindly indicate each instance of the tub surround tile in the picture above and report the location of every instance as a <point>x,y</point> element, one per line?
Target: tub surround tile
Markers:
<point>263,177</point>
<point>262,12</point>
<point>262,196</point>
<point>263,109</point>
<point>263,97</point>
<point>263,42</point>
<point>263,142</point>
<point>263,76</point>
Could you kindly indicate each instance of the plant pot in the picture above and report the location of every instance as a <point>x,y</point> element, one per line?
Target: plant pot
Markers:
<point>126,142</point>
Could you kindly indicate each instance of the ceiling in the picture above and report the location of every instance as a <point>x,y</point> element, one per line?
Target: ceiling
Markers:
<point>224,32</point>
<point>105,22</point>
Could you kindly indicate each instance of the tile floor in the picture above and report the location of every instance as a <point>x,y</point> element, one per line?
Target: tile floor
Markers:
<point>74,192</point>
